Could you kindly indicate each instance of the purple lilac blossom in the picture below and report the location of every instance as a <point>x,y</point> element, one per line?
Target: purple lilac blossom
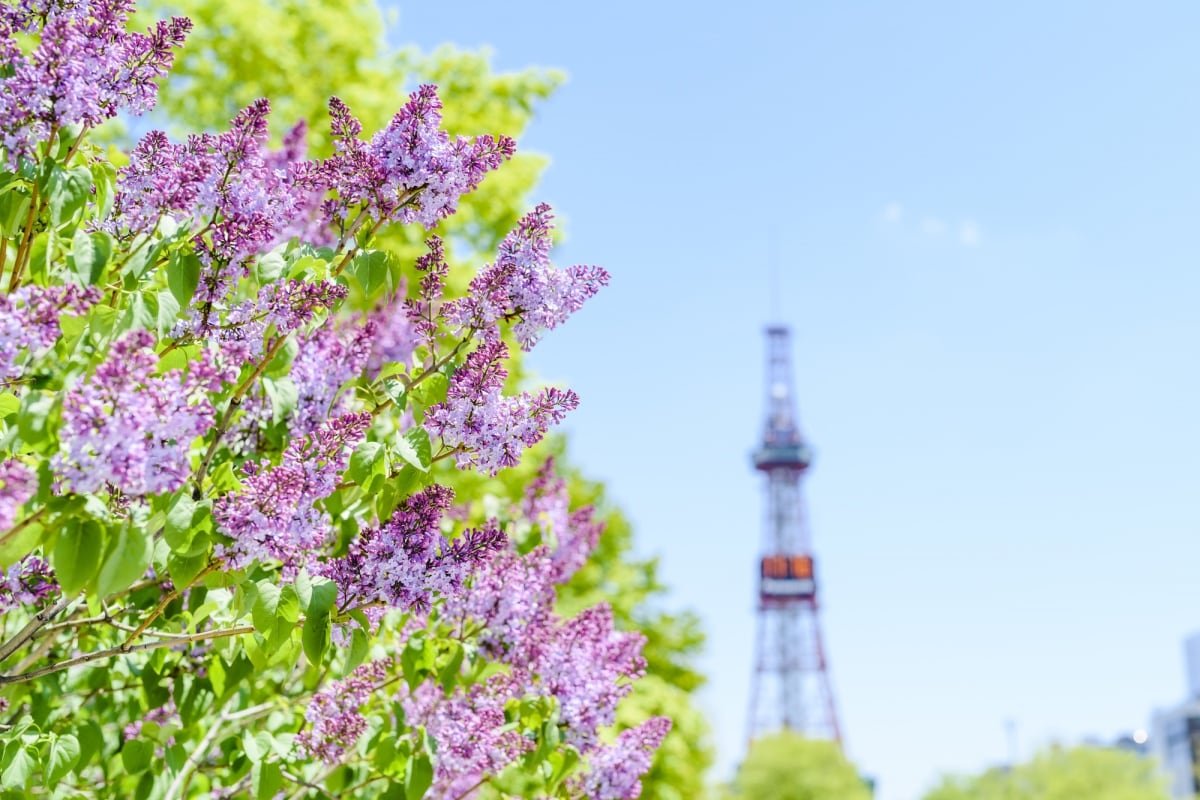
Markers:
<point>574,533</point>
<point>615,771</point>
<point>27,582</point>
<point>17,484</point>
<point>489,430</point>
<point>324,361</point>
<point>130,428</point>
<point>335,722</point>
<point>469,727</point>
<point>524,285</point>
<point>84,69</point>
<point>407,561</point>
<point>395,337</point>
<point>423,310</point>
<point>411,171</point>
<point>29,321</point>
<point>163,715</point>
<point>588,666</point>
<point>272,515</point>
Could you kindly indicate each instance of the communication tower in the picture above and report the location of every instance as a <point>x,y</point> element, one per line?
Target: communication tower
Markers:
<point>791,688</point>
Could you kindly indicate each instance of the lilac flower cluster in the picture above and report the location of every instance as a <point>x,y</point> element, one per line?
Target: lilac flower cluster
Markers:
<point>273,515</point>
<point>27,582</point>
<point>395,336</point>
<point>292,304</point>
<point>165,714</point>
<point>247,198</point>
<point>406,562</point>
<point>489,430</point>
<point>525,286</point>
<point>324,361</point>
<point>423,311</point>
<point>615,771</point>
<point>17,484</point>
<point>85,68</point>
<point>574,533</point>
<point>411,171</point>
<point>334,720</point>
<point>29,320</point>
<point>469,727</point>
<point>132,429</point>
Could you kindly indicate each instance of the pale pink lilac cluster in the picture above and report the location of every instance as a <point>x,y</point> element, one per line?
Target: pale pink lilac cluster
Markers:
<point>489,430</point>
<point>614,771</point>
<point>407,562</point>
<point>334,721</point>
<point>131,429</point>
<point>523,285</point>
<point>411,171</point>
<point>17,484</point>
<point>26,583</point>
<point>273,515</point>
<point>29,321</point>
<point>85,68</point>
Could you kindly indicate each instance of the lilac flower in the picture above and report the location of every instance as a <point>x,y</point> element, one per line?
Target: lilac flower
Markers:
<point>469,727</point>
<point>292,304</point>
<point>29,320</point>
<point>587,665</point>
<point>407,561</point>
<point>324,361</point>
<point>17,484</point>
<point>525,286</point>
<point>615,771</point>
<point>411,171</point>
<point>84,69</point>
<point>131,428</point>
<point>511,598</point>
<point>395,337</point>
<point>423,310</point>
<point>165,714</point>
<point>248,198</point>
<point>335,722</point>
<point>27,582</point>
<point>491,431</point>
<point>574,534</point>
<point>273,516</point>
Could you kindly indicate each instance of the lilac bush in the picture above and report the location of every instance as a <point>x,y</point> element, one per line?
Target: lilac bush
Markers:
<point>231,563</point>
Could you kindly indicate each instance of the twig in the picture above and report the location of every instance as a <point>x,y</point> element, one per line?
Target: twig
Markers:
<point>33,626</point>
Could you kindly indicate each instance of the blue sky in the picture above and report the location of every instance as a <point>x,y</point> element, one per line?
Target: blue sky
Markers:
<point>985,227</point>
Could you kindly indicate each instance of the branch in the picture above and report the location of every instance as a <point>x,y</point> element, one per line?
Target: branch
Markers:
<point>86,658</point>
<point>32,627</point>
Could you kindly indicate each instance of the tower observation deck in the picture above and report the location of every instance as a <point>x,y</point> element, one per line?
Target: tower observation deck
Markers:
<point>791,688</point>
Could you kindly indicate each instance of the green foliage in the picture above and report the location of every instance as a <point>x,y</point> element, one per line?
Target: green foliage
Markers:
<point>786,766</point>
<point>1063,774</point>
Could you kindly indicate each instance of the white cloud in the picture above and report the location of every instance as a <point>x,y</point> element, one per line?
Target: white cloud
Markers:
<point>933,227</point>
<point>968,233</point>
<point>893,213</point>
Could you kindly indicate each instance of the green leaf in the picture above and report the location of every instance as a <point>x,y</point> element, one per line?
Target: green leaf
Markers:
<point>315,637</point>
<point>168,311</point>
<point>64,755</point>
<point>91,741</point>
<point>90,253</point>
<point>419,777</point>
<point>77,554</point>
<point>9,403</point>
<point>183,276</point>
<point>270,266</point>
<point>415,449</point>
<point>432,389</point>
<point>256,745</point>
<point>266,779</point>
<point>360,645</point>
<point>324,596</point>
<point>284,396</point>
<point>183,569</point>
<point>136,755</point>
<point>448,674</point>
<point>178,530</point>
<point>33,416</point>
<point>367,460</point>
<point>127,560</point>
<point>68,190</point>
<point>21,764</point>
<point>370,269</point>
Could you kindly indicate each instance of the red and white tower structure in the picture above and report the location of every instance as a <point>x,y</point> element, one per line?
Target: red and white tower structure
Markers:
<point>791,688</point>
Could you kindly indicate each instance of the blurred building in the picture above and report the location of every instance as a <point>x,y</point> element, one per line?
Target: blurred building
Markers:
<point>1175,732</point>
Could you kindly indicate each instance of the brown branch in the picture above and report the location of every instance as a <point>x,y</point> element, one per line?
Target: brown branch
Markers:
<point>32,627</point>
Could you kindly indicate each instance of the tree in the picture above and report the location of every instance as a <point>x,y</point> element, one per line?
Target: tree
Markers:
<point>1059,773</point>
<point>231,562</point>
<point>787,766</point>
<point>245,49</point>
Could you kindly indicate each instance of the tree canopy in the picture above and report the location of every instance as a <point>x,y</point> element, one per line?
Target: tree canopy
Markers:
<point>787,766</point>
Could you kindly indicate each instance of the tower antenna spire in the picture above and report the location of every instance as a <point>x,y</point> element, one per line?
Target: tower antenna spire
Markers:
<point>791,687</point>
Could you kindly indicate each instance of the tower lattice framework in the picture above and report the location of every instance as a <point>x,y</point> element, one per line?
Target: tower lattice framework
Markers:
<point>791,688</point>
